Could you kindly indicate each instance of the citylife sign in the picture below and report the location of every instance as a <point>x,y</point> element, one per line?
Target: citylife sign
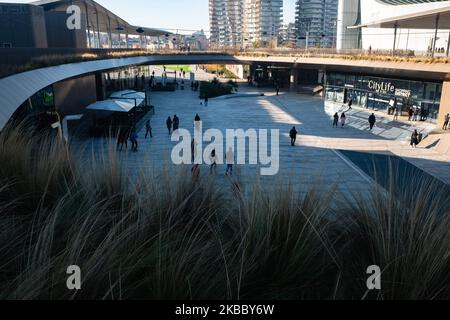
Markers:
<point>388,88</point>
<point>381,87</point>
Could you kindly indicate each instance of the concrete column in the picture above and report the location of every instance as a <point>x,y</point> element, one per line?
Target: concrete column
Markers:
<point>294,79</point>
<point>100,86</point>
<point>435,35</point>
<point>445,103</point>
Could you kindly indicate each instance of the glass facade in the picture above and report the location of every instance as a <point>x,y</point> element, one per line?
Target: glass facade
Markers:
<point>379,93</point>
<point>39,109</point>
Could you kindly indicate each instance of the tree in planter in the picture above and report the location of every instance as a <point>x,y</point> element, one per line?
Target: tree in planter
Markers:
<point>214,89</point>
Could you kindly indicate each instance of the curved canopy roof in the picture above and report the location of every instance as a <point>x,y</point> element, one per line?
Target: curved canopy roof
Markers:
<point>107,20</point>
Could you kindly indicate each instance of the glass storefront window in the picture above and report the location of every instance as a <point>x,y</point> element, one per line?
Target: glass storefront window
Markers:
<point>385,93</point>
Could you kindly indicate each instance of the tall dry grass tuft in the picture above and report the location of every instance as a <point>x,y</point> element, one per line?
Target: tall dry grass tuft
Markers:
<point>163,235</point>
<point>281,246</point>
<point>406,232</point>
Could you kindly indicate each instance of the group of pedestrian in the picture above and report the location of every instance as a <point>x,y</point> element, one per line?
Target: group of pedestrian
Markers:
<point>125,135</point>
<point>336,118</point>
<point>417,114</point>
<point>195,85</point>
<point>173,124</point>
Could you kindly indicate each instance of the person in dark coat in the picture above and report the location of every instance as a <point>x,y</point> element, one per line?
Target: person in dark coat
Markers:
<point>410,114</point>
<point>176,123</point>
<point>414,139</point>
<point>169,123</point>
<point>148,129</point>
<point>134,141</point>
<point>343,119</point>
<point>372,121</point>
<point>122,139</point>
<point>336,120</point>
<point>350,103</point>
<point>293,135</point>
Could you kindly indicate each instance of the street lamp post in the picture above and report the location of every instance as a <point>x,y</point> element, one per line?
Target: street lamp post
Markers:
<point>448,45</point>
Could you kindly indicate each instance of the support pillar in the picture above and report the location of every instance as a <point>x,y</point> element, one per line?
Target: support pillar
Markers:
<point>435,35</point>
<point>88,25</point>
<point>444,107</point>
<point>294,79</point>
<point>395,39</point>
<point>100,86</point>
<point>98,31</point>
<point>448,45</point>
<point>110,33</point>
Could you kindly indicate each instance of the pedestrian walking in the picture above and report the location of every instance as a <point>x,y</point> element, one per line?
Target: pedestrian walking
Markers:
<point>343,119</point>
<point>336,120</point>
<point>213,159</point>
<point>293,135</point>
<point>143,81</point>
<point>230,161</point>
<point>396,113</point>
<point>176,123</point>
<point>414,139</point>
<point>278,90</point>
<point>169,123</point>
<point>122,139</point>
<point>410,114</point>
<point>148,129</point>
<point>206,101</point>
<point>350,103</point>
<point>446,122</point>
<point>372,121</point>
<point>134,142</point>
<point>416,114</point>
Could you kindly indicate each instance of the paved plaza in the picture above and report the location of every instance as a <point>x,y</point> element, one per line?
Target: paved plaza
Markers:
<point>315,156</point>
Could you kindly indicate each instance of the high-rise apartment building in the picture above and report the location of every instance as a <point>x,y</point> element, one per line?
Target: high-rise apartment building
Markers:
<point>316,23</point>
<point>225,18</point>
<point>237,23</point>
<point>288,35</point>
<point>262,22</point>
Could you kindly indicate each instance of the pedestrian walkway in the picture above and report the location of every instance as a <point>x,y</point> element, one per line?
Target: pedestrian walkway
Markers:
<point>314,156</point>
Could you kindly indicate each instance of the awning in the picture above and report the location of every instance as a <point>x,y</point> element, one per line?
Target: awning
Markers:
<point>419,20</point>
<point>130,94</point>
<point>124,106</point>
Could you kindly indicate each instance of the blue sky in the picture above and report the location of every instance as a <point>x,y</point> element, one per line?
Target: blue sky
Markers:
<point>169,14</point>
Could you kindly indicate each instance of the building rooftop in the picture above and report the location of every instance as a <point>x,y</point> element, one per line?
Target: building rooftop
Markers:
<point>107,20</point>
